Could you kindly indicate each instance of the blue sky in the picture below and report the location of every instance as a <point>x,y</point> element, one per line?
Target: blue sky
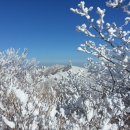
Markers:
<point>45,27</point>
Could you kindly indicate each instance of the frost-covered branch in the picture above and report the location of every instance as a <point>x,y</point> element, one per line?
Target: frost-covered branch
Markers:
<point>110,46</point>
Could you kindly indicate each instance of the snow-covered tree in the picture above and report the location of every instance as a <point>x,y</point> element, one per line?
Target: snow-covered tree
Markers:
<point>110,69</point>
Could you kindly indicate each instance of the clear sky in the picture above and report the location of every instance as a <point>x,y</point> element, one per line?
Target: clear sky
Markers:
<point>45,27</point>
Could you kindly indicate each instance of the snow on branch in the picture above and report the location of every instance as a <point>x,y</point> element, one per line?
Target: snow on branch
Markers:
<point>83,28</point>
<point>114,3</point>
<point>127,20</point>
<point>8,123</point>
<point>126,8</point>
<point>100,21</point>
<point>83,11</point>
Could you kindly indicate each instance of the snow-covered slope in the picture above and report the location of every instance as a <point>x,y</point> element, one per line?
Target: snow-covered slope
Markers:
<point>62,71</point>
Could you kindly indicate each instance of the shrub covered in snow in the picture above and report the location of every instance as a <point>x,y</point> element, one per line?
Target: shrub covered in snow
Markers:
<point>32,100</point>
<point>25,99</point>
